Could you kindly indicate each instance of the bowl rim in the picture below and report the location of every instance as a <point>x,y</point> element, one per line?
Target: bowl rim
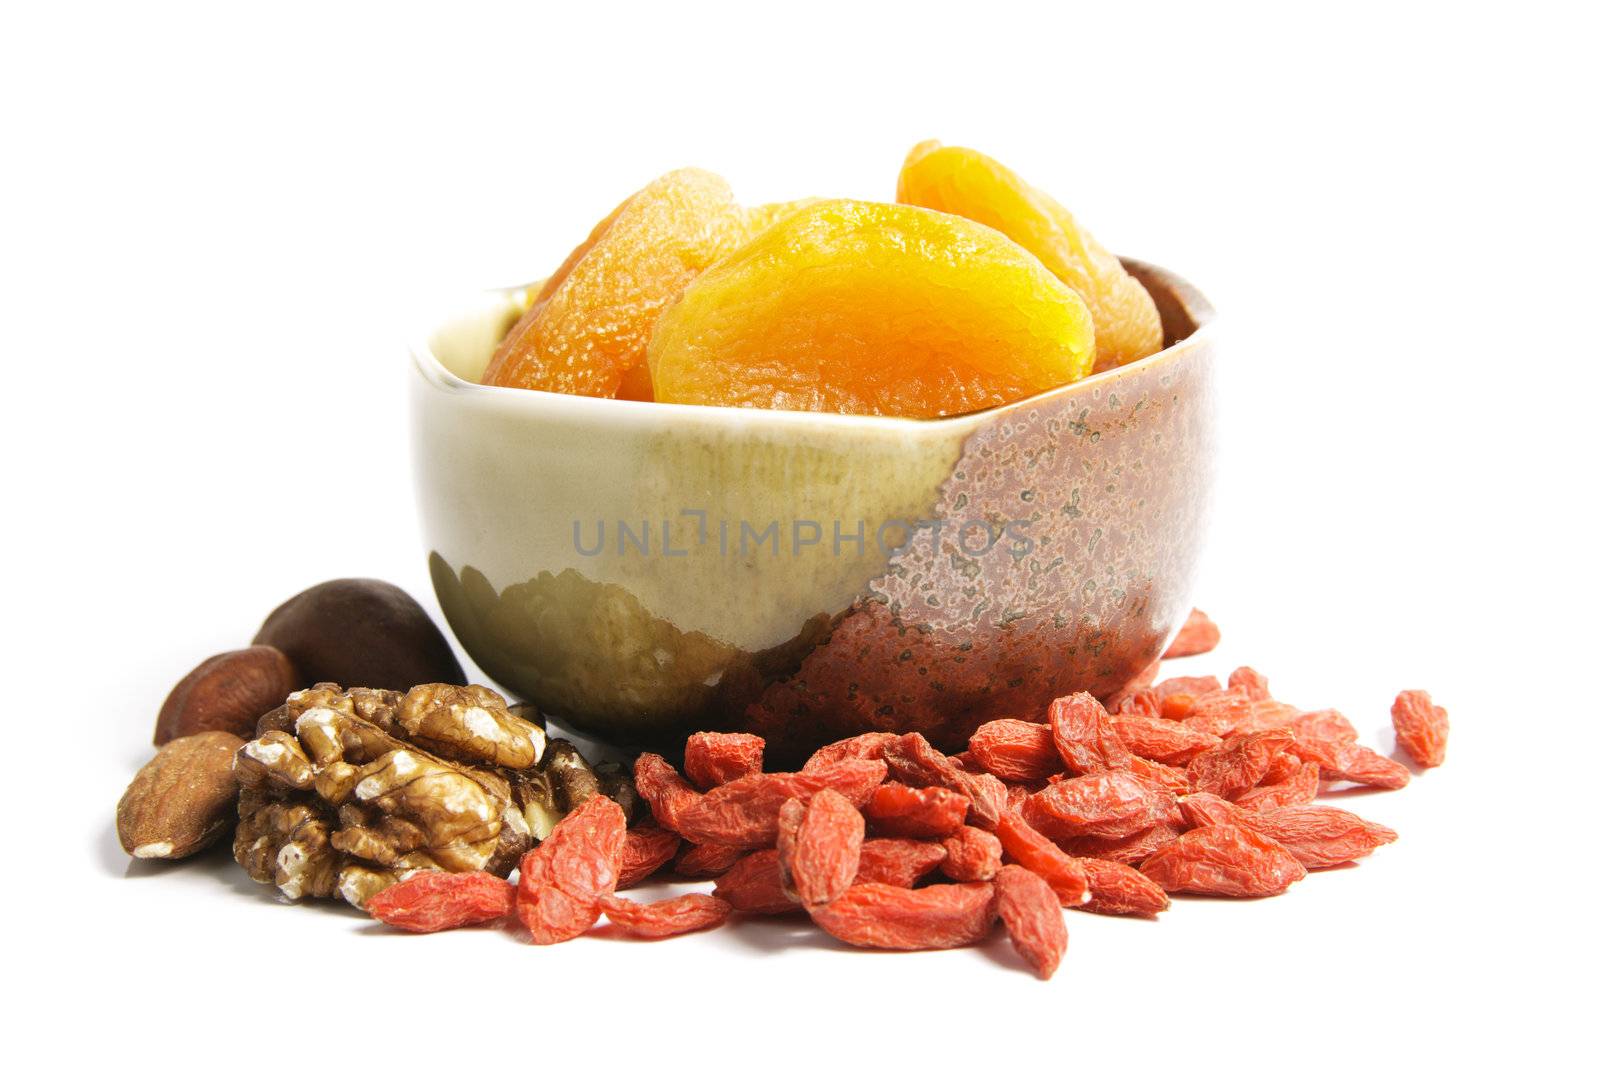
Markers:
<point>536,401</point>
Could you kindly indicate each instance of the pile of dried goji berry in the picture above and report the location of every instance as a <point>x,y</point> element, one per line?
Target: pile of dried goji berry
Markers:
<point>1187,786</point>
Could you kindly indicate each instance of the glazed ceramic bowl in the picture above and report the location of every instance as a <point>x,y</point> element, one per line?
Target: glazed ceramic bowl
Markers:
<point>643,570</point>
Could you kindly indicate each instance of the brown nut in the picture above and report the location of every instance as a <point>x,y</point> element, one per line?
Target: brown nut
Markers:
<point>182,800</point>
<point>361,632</point>
<point>227,692</point>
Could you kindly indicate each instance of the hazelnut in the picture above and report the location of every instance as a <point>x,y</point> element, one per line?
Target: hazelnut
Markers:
<point>182,800</point>
<point>227,692</point>
<point>361,632</point>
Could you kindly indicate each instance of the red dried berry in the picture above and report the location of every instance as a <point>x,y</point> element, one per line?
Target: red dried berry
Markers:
<point>1224,861</point>
<point>1032,916</point>
<point>1299,788</point>
<point>1133,849</point>
<point>744,813</point>
<point>971,855</point>
<point>1084,737</point>
<point>1028,847</point>
<point>1163,740</point>
<point>1014,750</point>
<point>558,896</point>
<point>646,850</point>
<point>897,810</point>
<point>707,861</point>
<point>1326,725</point>
<point>1238,764</point>
<point>898,861</point>
<point>1198,634</point>
<point>826,851</point>
<point>1172,778</point>
<point>1284,767</point>
<point>1106,805</point>
<point>1350,762</point>
<point>862,746</point>
<point>711,759</point>
<point>668,795</point>
<point>1117,889</point>
<point>665,918</point>
<point>1251,681</point>
<point>1421,727</point>
<point>914,761</point>
<point>755,885</point>
<point>1317,835</point>
<point>874,915</point>
<point>432,901</point>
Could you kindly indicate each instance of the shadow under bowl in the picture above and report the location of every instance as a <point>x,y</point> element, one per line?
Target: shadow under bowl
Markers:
<point>641,571</point>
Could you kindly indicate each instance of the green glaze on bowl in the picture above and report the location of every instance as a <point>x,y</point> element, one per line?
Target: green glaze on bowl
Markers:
<point>808,576</point>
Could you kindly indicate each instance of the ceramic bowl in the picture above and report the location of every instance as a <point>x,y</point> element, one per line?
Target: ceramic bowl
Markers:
<point>643,570</point>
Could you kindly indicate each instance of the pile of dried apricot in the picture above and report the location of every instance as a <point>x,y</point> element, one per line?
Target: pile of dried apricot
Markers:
<point>974,290</point>
<point>1187,786</point>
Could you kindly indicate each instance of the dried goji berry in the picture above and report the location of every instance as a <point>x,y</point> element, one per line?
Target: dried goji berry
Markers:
<point>898,860</point>
<point>1017,792</point>
<point>745,812</point>
<point>1421,727</point>
<point>1317,835</point>
<point>1251,681</point>
<point>1163,740</point>
<point>1224,861</point>
<point>1301,787</point>
<point>707,861</point>
<point>897,810</point>
<point>862,746</point>
<point>1173,778</point>
<point>755,885</point>
<point>1133,849</point>
<point>711,759</point>
<point>1118,889</point>
<point>971,855</point>
<point>1084,737</point>
<point>874,915</point>
<point>1014,750</point>
<point>1238,764</point>
<point>558,896</point>
<point>1106,805</point>
<point>1197,634</point>
<point>1032,916</point>
<point>1284,766</point>
<point>665,918</point>
<point>1348,761</point>
<point>668,795</point>
<point>914,761</point>
<point>825,852</point>
<point>646,850</point>
<point>1326,725</point>
<point>1033,850</point>
<point>431,901</point>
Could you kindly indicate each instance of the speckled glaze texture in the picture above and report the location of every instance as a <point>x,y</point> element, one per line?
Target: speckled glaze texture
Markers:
<point>1056,551</point>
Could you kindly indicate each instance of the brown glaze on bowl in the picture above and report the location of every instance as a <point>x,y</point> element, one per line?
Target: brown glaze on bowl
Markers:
<point>1091,499</point>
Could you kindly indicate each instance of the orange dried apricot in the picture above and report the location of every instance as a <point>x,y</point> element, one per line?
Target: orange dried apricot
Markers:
<point>878,309</point>
<point>970,184</point>
<point>587,329</point>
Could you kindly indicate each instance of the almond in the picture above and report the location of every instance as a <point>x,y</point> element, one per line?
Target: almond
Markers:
<point>182,800</point>
<point>228,692</point>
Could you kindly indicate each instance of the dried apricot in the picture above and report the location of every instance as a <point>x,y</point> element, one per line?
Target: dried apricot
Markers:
<point>968,183</point>
<point>1421,727</point>
<point>587,330</point>
<point>875,309</point>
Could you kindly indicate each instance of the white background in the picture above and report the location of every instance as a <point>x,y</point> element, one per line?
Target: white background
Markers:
<point>215,222</point>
